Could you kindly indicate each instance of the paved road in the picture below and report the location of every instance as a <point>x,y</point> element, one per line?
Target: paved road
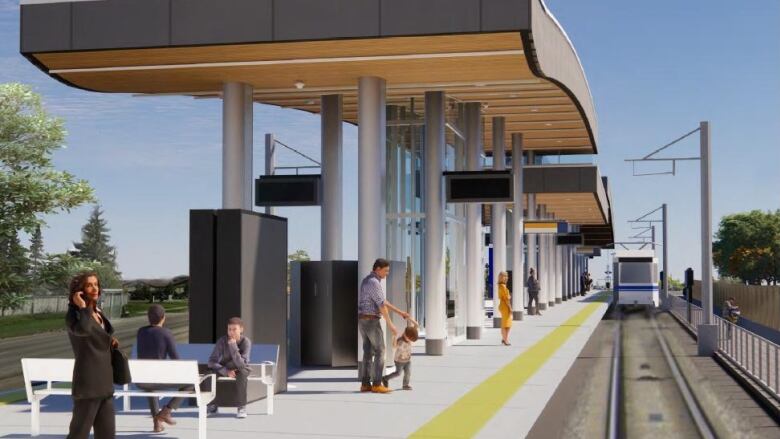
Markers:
<point>57,345</point>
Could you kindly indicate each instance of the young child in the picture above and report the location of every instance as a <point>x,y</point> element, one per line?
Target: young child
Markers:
<point>403,355</point>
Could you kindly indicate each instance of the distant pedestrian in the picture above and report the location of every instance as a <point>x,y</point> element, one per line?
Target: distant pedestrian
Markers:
<point>533,293</point>
<point>505,307</point>
<point>403,356</point>
<point>731,313</point>
<point>90,335</point>
<point>583,282</point>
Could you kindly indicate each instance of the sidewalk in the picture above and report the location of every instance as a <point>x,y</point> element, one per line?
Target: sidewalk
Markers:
<point>478,388</point>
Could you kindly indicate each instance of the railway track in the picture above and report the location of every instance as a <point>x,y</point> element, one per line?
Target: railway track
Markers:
<point>648,394</point>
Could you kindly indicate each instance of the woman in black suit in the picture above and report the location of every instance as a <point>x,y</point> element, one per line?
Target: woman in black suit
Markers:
<point>90,336</point>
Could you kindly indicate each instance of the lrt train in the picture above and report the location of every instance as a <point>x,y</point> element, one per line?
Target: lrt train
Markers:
<point>636,278</point>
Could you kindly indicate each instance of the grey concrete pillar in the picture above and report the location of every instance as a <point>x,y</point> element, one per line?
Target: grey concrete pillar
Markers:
<point>475,312</point>
<point>270,164</point>
<point>371,178</point>
<point>543,265</point>
<point>708,330</point>
<point>237,179</point>
<point>532,240</point>
<point>434,275</point>
<point>551,264</point>
<point>498,216</point>
<point>332,176</point>
<point>558,280</point>
<point>518,275</point>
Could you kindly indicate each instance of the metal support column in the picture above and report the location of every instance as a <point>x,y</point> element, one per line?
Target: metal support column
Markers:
<point>475,313</point>
<point>371,177</point>
<point>270,163</point>
<point>707,331</point>
<point>331,218</point>
<point>434,275</point>
<point>498,216</point>
<point>518,275</point>
<point>237,179</point>
<point>544,264</point>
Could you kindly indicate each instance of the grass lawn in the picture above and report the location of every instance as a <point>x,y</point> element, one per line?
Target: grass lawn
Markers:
<point>139,307</point>
<point>12,326</point>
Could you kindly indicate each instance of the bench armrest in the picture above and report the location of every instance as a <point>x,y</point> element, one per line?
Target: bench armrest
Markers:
<point>264,375</point>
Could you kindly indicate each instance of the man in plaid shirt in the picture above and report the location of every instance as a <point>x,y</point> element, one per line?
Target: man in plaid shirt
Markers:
<point>372,306</point>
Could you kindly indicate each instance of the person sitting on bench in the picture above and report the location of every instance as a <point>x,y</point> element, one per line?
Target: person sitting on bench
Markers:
<point>154,342</point>
<point>230,358</point>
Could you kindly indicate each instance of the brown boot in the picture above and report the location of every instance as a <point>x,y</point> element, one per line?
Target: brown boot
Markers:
<point>164,415</point>
<point>158,425</point>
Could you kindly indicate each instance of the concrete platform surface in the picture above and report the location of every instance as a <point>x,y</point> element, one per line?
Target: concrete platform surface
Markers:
<point>479,388</point>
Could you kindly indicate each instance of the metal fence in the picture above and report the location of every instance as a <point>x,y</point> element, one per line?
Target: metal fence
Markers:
<point>754,355</point>
<point>112,301</point>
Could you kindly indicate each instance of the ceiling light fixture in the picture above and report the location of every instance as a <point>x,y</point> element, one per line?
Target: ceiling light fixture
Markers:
<point>548,124</point>
<point>299,85</point>
<point>534,110</point>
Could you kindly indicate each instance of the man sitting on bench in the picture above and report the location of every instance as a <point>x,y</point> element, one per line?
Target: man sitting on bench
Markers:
<point>157,343</point>
<point>230,358</point>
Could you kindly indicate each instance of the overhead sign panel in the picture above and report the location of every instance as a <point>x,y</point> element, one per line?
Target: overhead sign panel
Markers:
<point>545,227</point>
<point>478,186</point>
<point>288,190</point>
<point>569,239</point>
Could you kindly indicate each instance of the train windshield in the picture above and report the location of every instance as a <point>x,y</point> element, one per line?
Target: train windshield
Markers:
<point>636,273</point>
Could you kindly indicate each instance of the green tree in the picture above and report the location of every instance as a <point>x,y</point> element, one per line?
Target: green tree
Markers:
<point>30,187</point>
<point>747,247</point>
<point>15,281</point>
<point>94,246</point>
<point>58,269</point>
<point>299,256</point>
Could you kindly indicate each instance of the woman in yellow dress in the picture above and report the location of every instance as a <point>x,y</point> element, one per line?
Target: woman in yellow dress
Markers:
<point>505,307</point>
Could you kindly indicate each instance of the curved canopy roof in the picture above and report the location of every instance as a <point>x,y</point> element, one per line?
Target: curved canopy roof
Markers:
<point>509,54</point>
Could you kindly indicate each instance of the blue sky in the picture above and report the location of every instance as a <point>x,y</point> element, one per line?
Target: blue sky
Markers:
<point>655,70</point>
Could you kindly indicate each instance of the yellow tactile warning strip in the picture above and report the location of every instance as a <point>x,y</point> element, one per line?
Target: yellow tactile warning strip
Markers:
<point>466,417</point>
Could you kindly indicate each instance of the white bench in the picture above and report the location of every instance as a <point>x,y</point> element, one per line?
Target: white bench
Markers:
<point>174,372</point>
<point>266,356</point>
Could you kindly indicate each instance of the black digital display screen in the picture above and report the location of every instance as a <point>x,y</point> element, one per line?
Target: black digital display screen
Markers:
<point>478,187</point>
<point>293,190</point>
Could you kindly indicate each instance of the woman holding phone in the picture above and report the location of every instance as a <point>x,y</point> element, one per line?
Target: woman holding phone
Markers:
<point>90,335</point>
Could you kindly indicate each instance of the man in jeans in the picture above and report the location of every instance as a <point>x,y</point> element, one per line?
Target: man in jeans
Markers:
<point>155,342</point>
<point>230,358</point>
<point>372,306</point>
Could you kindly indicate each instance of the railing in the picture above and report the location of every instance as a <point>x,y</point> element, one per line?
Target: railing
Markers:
<point>754,355</point>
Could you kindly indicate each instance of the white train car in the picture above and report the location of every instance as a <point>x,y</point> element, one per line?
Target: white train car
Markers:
<point>636,278</point>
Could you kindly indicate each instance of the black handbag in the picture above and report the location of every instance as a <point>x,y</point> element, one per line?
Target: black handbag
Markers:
<point>120,366</point>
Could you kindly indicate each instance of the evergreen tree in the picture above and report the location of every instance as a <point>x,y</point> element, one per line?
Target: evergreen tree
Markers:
<point>14,280</point>
<point>94,245</point>
<point>36,247</point>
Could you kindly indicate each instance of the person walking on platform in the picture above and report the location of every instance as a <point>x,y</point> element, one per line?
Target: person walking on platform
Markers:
<point>372,306</point>
<point>583,282</point>
<point>533,293</point>
<point>90,335</point>
<point>505,307</point>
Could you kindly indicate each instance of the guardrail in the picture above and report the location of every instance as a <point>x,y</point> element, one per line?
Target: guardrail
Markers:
<point>754,355</point>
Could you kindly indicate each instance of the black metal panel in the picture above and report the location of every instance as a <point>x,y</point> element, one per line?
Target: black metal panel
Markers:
<point>414,17</point>
<point>328,313</point>
<point>318,19</point>
<point>228,292</point>
<point>502,15</point>
<point>344,313</point>
<point>589,179</point>
<point>220,21</point>
<point>561,179</point>
<point>118,24</point>
<point>45,27</point>
<point>533,181</point>
<point>202,272</point>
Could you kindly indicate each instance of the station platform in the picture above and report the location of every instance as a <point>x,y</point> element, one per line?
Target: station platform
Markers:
<point>479,388</point>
